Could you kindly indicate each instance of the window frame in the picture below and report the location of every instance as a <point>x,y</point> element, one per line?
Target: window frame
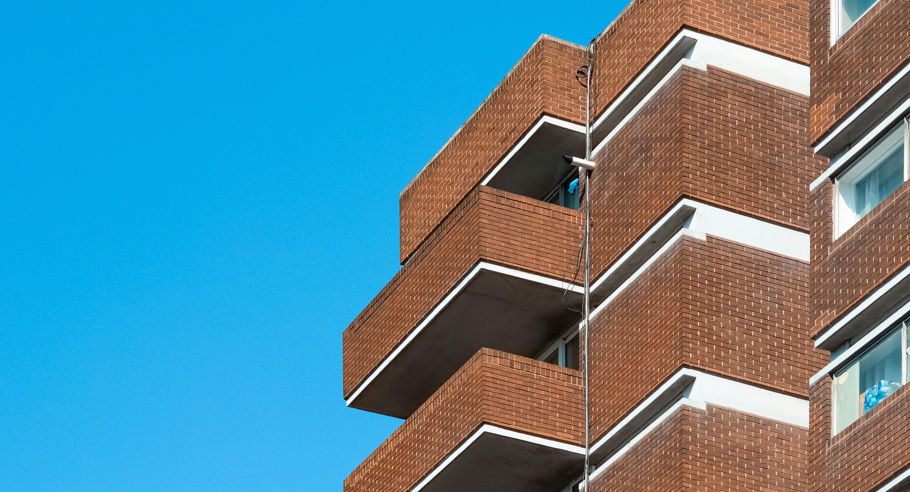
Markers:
<point>904,327</point>
<point>843,217</point>
<point>836,10</point>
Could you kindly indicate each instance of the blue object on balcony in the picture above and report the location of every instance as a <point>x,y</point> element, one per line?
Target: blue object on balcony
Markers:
<point>573,186</point>
<point>877,393</point>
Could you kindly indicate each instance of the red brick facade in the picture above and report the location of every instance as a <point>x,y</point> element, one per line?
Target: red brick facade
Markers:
<point>712,449</point>
<point>495,388</point>
<point>710,304</point>
<point>779,27</point>
<point>714,305</point>
<point>713,136</point>
<point>537,86</point>
<point>846,73</point>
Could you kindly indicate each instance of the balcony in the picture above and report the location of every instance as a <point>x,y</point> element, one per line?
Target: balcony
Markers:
<point>534,115</point>
<point>502,422</point>
<point>497,273</point>
<point>705,303</point>
<point>711,136</point>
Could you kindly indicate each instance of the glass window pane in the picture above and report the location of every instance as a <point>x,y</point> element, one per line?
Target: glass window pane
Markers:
<point>572,353</point>
<point>874,176</point>
<point>867,381</point>
<point>851,11</point>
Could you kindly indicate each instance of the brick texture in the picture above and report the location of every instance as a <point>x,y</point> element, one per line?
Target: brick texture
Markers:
<point>711,304</point>
<point>779,27</point>
<point>865,454</point>
<point>488,225</point>
<point>542,83</point>
<point>495,388</point>
<point>712,136</point>
<point>713,449</point>
<point>846,270</point>
<point>866,56</point>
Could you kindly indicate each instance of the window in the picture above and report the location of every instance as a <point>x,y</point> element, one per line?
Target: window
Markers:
<point>874,176</point>
<point>870,378</point>
<point>566,193</point>
<point>564,353</point>
<point>845,13</point>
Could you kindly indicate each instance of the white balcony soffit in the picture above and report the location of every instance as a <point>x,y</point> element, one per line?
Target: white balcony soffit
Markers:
<point>481,266</point>
<point>488,430</point>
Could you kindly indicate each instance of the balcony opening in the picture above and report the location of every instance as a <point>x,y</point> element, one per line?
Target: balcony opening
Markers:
<point>563,352</point>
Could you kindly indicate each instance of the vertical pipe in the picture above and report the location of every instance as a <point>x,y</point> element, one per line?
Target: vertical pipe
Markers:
<point>587,246</point>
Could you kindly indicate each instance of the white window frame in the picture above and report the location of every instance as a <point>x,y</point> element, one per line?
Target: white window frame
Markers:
<point>836,13</point>
<point>903,326</point>
<point>844,217</point>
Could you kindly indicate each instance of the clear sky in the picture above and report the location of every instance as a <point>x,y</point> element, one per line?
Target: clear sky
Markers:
<point>197,198</point>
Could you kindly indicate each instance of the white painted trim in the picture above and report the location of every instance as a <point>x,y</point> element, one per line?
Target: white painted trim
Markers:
<point>870,300</point>
<point>863,343</point>
<point>546,119</point>
<point>894,482</point>
<point>709,50</point>
<point>708,389</point>
<point>844,160</point>
<point>551,282</point>
<point>499,431</point>
<point>710,220</point>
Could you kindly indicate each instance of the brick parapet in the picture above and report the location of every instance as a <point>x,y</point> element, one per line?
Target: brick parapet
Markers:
<point>713,305</point>
<point>846,270</point>
<point>866,453</point>
<point>493,387</point>
<point>644,28</point>
<point>488,225</point>
<point>712,136</point>
<point>713,449</point>
<point>541,83</point>
<point>865,57</point>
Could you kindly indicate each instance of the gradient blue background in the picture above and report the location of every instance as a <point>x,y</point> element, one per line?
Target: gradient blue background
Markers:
<point>196,198</point>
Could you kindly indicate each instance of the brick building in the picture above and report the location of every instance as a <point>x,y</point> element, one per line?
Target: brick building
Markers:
<point>749,265</point>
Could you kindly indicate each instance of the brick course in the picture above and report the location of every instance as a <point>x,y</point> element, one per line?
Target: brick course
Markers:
<point>712,136</point>
<point>489,225</point>
<point>865,454</point>
<point>846,270</point>
<point>540,84</point>
<point>713,449</point>
<point>711,304</point>
<point>867,55</point>
<point>622,51</point>
<point>493,387</point>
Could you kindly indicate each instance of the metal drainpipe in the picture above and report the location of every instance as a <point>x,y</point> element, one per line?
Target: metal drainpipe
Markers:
<point>587,246</point>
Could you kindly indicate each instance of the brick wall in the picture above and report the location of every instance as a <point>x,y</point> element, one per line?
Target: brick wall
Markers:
<point>713,449</point>
<point>866,56</point>
<point>865,454</point>
<point>542,83</point>
<point>845,270</point>
<point>713,136</point>
<point>779,27</point>
<point>495,388</point>
<point>715,305</point>
<point>489,225</point>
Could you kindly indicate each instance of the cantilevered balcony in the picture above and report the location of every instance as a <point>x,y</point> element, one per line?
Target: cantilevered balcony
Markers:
<point>496,273</point>
<point>502,422</point>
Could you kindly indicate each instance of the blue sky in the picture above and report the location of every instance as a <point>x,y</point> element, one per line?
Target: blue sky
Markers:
<point>197,198</point>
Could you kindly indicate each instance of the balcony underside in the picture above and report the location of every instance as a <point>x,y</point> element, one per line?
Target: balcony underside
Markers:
<point>536,165</point>
<point>495,463</point>
<point>493,309</point>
